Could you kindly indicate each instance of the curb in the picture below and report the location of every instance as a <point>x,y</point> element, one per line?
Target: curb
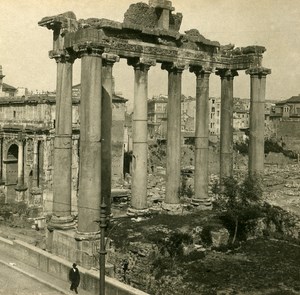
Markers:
<point>34,277</point>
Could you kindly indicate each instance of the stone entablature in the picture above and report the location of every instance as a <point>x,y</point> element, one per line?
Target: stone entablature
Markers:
<point>142,37</point>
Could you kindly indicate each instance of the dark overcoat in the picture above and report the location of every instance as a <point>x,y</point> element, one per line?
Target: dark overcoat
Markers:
<point>74,276</point>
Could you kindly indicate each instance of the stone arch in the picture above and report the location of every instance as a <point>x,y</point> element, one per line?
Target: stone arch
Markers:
<point>11,161</point>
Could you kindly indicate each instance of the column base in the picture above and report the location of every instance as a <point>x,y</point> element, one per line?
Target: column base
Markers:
<point>61,223</point>
<point>137,212</point>
<point>202,204</point>
<point>21,188</point>
<point>35,190</point>
<point>172,208</point>
<point>87,236</point>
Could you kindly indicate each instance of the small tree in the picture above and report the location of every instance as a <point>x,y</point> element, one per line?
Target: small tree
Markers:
<point>240,203</point>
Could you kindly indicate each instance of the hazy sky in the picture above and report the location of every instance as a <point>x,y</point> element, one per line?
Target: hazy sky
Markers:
<point>274,24</point>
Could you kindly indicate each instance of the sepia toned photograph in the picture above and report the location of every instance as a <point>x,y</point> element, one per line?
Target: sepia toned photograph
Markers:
<point>150,147</point>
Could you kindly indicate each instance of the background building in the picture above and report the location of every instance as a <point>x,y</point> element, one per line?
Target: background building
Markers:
<point>27,129</point>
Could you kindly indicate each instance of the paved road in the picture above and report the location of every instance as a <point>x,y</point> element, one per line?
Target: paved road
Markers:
<point>13,282</point>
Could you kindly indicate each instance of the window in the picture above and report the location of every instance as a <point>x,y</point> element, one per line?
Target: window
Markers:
<point>15,114</point>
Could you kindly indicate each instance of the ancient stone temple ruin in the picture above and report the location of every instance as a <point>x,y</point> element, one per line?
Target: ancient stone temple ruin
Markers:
<point>145,42</point>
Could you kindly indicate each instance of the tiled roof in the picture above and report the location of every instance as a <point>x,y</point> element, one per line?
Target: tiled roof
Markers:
<point>6,87</point>
<point>293,99</point>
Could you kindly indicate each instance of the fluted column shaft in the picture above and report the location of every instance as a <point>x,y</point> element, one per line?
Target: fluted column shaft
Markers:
<point>226,136</point>
<point>201,176</point>
<point>257,119</point>
<point>106,125</point>
<point>173,135</point>
<point>90,142</point>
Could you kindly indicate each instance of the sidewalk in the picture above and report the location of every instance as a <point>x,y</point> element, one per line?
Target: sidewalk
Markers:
<point>45,278</point>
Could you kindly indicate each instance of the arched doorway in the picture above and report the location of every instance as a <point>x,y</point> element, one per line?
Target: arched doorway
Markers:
<point>11,172</point>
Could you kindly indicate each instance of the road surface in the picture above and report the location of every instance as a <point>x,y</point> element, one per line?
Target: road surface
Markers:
<point>12,282</point>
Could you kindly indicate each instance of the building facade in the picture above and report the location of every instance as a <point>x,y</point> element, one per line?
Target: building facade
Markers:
<point>27,128</point>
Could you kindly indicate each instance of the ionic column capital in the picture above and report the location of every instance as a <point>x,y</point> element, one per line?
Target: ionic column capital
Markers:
<point>174,67</point>
<point>62,56</point>
<point>88,49</point>
<point>142,63</point>
<point>109,59</point>
<point>199,71</point>
<point>259,71</point>
<point>226,73</point>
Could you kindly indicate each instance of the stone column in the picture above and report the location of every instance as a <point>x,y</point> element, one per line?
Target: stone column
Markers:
<point>20,187</point>
<point>140,137</point>
<point>257,119</point>
<point>90,143</point>
<point>173,134</point>
<point>35,183</point>
<point>1,162</point>
<point>108,61</point>
<point>62,176</point>
<point>201,177</point>
<point>20,184</point>
<point>226,136</point>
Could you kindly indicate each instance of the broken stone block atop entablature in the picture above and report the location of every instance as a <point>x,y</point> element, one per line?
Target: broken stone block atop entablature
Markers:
<point>151,16</point>
<point>166,4</point>
<point>66,21</point>
<point>230,50</point>
<point>193,35</point>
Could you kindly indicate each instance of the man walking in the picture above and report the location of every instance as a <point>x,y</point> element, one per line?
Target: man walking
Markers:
<point>74,277</point>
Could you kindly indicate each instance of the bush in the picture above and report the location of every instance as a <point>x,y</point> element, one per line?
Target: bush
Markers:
<point>240,204</point>
<point>205,236</point>
<point>173,245</point>
<point>6,211</point>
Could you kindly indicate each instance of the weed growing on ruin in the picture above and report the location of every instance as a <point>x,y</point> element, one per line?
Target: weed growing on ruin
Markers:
<point>239,204</point>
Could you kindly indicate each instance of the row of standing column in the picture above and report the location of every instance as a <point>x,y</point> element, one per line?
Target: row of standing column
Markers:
<point>201,178</point>
<point>96,96</point>
<point>95,142</point>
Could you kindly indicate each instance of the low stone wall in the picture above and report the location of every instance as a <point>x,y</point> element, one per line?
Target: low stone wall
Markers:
<point>59,267</point>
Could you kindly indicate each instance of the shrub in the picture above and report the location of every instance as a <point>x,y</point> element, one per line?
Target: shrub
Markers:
<point>205,236</point>
<point>240,204</point>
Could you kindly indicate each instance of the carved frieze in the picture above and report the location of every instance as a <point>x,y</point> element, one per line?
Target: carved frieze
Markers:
<point>122,45</point>
<point>160,51</point>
